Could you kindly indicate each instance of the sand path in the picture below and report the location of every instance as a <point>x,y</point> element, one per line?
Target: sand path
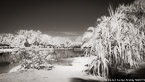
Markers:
<point>57,74</point>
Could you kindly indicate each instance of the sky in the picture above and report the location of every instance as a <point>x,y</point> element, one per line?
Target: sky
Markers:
<point>54,17</point>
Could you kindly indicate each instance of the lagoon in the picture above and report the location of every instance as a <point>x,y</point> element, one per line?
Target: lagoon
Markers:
<point>56,57</point>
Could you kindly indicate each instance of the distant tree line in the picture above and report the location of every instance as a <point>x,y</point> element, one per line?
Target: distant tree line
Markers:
<point>31,38</point>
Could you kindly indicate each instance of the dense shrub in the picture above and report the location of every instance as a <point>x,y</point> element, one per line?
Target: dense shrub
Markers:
<point>32,58</point>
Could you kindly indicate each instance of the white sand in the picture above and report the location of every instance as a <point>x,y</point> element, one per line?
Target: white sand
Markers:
<point>57,74</point>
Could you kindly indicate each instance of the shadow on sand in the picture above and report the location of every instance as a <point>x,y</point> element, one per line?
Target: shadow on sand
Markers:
<point>84,80</point>
<point>136,75</point>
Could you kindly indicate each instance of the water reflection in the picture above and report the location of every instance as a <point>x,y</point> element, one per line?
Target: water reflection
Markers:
<point>5,57</point>
<point>62,57</point>
<point>56,57</point>
<point>58,54</point>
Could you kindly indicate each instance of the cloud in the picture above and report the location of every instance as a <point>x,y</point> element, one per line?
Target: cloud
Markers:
<point>70,33</point>
<point>57,33</point>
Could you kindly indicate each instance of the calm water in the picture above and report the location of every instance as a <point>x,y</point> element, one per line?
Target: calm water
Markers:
<point>57,57</point>
<point>58,54</point>
<point>62,57</point>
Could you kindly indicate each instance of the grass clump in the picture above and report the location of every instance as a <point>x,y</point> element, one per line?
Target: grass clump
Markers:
<point>118,40</point>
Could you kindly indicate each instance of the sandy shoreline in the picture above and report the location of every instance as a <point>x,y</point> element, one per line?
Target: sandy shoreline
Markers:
<point>57,74</point>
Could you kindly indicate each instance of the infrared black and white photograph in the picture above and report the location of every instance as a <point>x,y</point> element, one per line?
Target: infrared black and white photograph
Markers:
<point>72,40</point>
